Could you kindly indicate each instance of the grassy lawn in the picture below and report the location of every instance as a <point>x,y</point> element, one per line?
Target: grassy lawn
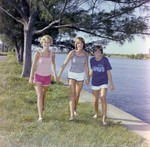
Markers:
<point>3,53</point>
<point>18,117</point>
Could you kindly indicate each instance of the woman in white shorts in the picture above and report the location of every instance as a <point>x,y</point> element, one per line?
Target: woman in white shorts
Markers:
<point>100,73</point>
<point>79,65</point>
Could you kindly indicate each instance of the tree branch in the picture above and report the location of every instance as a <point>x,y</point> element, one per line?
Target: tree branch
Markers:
<point>46,28</point>
<point>77,28</point>
<point>48,10</point>
<point>23,15</point>
<point>63,9</point>
<point>12,16</point>
<point>122,12</point>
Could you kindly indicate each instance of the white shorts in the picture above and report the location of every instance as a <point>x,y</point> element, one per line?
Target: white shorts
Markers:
<point>76,76</point>
<point>99,87</point>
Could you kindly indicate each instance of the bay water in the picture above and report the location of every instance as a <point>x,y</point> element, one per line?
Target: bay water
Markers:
<point>131,79</point>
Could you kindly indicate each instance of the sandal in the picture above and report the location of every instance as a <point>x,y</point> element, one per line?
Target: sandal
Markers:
<point>40,120</point>
<point>76,113</point>
<point>105,123</point>
<point>95,116</point>
<point>71,118</point>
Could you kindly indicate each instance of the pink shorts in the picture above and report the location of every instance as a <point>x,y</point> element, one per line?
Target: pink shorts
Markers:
<point>44,80</point>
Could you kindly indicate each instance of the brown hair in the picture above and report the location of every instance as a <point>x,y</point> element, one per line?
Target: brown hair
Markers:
<point>98,47</point>
<point>78,39</point>
<point>46,37</point>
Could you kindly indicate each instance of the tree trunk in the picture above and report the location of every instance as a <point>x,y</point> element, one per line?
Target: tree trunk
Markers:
<point>19,54</point>
<point>27,49</point>
<point>6,48</point>
<point>3,47</point>
<point>21,51</point>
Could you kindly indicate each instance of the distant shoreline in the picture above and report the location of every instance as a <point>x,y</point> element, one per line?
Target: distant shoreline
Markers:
<point>127,58</point>
<point>132,56</point>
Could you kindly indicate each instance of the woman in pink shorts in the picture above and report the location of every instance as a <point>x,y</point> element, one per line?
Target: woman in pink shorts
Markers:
<point>42,78</point>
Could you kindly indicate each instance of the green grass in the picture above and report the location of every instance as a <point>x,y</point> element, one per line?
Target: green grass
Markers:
<point>4,53</point>
<point>18,117</point>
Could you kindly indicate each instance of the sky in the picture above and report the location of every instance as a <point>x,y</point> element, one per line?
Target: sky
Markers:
<point>137,46</point>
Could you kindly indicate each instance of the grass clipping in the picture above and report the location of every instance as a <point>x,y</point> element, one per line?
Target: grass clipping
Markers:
<point>19,114</point>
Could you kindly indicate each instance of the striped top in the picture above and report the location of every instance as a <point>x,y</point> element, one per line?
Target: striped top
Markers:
<point>78,63</point>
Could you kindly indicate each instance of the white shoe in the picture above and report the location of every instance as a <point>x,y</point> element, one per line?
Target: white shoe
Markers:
<point>95,116</point>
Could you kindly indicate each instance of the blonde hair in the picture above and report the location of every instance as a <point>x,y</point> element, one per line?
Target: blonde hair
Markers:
<point>46,37</point>
<point>79,39</point>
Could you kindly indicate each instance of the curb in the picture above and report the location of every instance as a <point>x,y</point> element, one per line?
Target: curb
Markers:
<point>132,123</point>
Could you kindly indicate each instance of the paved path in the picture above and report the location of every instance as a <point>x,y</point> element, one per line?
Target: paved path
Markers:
<point>132,123</point>
<point>2,57</point>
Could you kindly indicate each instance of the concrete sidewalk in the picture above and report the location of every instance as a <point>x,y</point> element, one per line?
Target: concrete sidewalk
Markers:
<point>132,123</point>
<point>2,57</point>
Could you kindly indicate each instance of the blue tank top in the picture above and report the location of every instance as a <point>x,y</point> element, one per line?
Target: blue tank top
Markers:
<point>78,63</point>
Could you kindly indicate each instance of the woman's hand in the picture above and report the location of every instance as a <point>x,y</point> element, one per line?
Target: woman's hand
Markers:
<point>55,77</point>
<point>111,87</point>
<point>87,82</point>
<point>58,77</point>
<point>31,81</point>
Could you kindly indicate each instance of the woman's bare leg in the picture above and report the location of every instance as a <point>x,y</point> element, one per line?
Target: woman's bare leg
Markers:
<point>45,88</point>
<point>72,84</point>
<point>103,92</point>
<point>79,86</point>
<point>38,87</point>
<point>95,98</point>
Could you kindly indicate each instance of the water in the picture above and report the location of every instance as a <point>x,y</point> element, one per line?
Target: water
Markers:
<point>131,78</point>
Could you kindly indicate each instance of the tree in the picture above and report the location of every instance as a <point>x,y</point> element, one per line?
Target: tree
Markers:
<point>118,24</point>
<point>14,40</point>
<point>12,32</point>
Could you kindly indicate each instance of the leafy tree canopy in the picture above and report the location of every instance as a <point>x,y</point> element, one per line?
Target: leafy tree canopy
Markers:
<point>109,20</point>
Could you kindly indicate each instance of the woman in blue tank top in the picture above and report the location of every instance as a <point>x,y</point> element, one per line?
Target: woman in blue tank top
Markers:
<point>79,64</point>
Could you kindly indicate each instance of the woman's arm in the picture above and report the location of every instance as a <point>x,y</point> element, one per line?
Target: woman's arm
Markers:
<point>70,55</point>
<point>87,69</point>
<point>110,80</point>
<point>91,73</point>
<point>54,66</point>
<point>36,57</point>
